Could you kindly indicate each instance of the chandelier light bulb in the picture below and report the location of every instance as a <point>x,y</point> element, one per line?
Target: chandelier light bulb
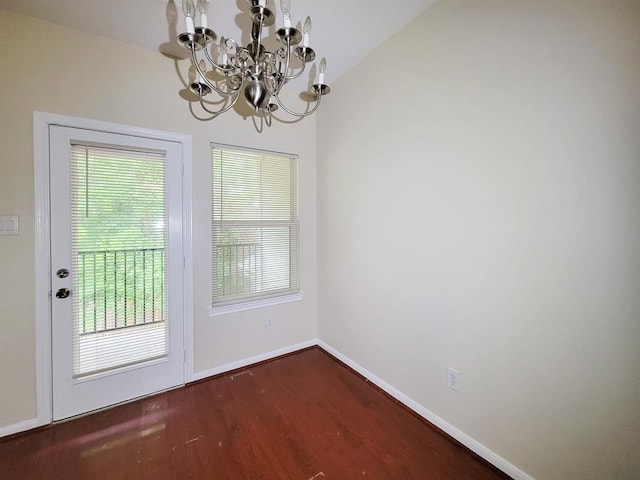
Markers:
<point>285,5</point>
<point>323,69</point>
<point>306,30</point>
<point>189,11</point>
<point>203,6</point>
<point>224,50</point>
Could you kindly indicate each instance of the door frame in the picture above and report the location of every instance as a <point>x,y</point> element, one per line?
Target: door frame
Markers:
<point>41,123</point>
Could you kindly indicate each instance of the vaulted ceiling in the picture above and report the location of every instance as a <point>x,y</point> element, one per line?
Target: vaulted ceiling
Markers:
<point>344,31</point>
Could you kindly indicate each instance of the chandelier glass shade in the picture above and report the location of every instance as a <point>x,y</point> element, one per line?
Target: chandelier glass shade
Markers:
<point>230,70</point>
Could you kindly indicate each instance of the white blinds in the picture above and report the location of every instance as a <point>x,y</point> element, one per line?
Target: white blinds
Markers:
<point>255,224</point>
<point>119,231</point>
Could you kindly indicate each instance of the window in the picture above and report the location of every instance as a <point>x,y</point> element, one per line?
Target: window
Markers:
<point>255,227</point>
<point>118,243</point>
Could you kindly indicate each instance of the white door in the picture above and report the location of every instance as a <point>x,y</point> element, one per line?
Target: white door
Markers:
<point>116,268</point>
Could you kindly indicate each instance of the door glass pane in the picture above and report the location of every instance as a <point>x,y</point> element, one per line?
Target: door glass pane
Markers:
<point>119,232</point>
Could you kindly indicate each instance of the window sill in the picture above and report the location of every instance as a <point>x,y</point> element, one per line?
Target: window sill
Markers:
<point>253,304</point>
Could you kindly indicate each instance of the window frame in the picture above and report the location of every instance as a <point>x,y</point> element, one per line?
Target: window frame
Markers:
<point>239,304</point>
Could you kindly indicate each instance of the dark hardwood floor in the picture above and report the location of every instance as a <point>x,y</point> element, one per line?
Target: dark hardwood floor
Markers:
<point>300,417</point>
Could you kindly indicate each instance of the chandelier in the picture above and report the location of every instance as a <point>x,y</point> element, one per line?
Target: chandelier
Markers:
<point>232,70</point>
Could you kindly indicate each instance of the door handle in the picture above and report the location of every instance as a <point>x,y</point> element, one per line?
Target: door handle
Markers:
<point>63,293</point>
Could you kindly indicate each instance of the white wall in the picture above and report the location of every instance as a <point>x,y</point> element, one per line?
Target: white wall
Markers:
<point>479,194</point>
<point>68,72</point>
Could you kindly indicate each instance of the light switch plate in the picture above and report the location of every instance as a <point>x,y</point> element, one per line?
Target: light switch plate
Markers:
<point>9,225</point>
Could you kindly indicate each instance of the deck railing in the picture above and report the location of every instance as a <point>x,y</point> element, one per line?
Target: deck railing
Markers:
<point>120,288</point>
<point>237,268</point>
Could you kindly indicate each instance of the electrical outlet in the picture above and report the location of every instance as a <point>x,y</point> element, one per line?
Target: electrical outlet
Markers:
<point>269,323</point>
<point>453,379</point>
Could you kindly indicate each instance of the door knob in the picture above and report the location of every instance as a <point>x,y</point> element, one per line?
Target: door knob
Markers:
<point>63,293</point>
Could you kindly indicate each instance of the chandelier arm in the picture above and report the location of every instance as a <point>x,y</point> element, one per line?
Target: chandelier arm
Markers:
<point>269,60</point>
<point>290,112</point>
<point>196,64</point>
<point>296,75</point>
<point>283,79</point>
<point>240,64</point>
<point>238,50</point>
<point>293,77</point>
<point>219,112</point>
<point>222,68</point>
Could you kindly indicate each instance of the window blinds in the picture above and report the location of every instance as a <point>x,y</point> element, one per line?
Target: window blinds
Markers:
<point>119,231</point>
<point>255,225</point>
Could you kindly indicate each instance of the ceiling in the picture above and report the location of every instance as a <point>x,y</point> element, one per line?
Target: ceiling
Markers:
<point>344,31</point>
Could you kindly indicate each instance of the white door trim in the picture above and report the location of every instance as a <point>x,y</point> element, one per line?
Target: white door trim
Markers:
<point>41,123</point>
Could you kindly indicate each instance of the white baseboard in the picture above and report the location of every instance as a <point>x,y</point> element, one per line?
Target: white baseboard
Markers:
<point>38,422</point>
<point>20,427</point>
<point>250,361</point>
<point>461,437</point>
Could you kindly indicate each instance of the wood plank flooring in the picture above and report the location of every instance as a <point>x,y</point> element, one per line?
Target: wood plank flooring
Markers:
<point>300,417</point>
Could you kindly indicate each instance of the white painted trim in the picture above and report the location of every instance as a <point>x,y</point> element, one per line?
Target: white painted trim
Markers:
<point>266,302</point>
<point>191,376</point>
<point>44,413</point>
<point>251,360</point>
<point>20,427</point>
<point>446,427</point>
<point>187,245</point>
<point>45,119</point>
<point>41,123</point>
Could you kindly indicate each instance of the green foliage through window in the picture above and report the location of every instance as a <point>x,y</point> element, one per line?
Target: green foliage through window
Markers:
<point>255,224</point>
<point>119,232</point>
